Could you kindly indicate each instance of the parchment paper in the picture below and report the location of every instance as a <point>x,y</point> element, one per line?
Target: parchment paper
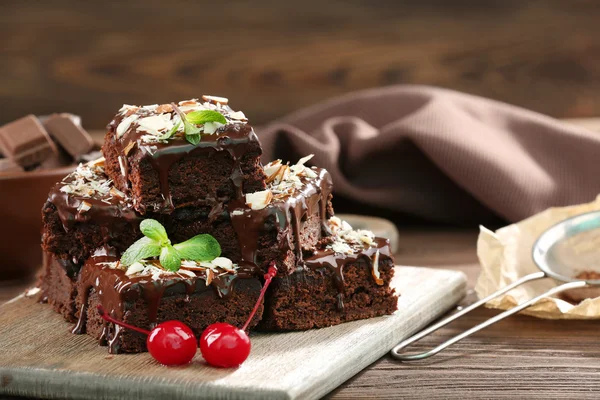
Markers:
<point>505,256</point>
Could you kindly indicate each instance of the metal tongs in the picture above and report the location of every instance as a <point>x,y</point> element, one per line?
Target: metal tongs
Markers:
<point>549,256</point>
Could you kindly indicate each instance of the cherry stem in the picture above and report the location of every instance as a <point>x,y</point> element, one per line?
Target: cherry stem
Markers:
<point>108,318</point>
<point>268,278</point>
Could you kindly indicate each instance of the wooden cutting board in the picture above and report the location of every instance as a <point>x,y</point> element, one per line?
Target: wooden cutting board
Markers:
<point>41,358</point>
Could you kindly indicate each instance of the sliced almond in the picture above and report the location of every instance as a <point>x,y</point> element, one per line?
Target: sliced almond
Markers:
<point>117,193</point>
<point>125,124</point>
<point>122,166</point>
<point>129,147</point>
<point>215,99</point>
<point>164,108</point>
<point>238,115</point>
<point>375,270</point>
<point>303,160</point>
<point>191,267</point>
<point>84,207</point>
<point>259,200</point>
<point>191,102</point>
<point>134,268</point>
<point>155,124</point>
<point>209,276</point>
<point>223,262</point>
<point>283,173</point>
<point>186,272</point>
<point>272,168</point>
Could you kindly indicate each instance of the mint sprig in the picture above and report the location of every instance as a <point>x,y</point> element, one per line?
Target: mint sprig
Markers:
<point>195,118</point>
<point>202,247</point>
<point>156,243</point>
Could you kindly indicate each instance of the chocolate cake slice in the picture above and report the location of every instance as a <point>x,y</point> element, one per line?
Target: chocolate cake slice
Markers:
<point>144,295</point>
<point>346,279</point>
<point>160,172</point>
<point>85,212</point>
<point>287,219</point>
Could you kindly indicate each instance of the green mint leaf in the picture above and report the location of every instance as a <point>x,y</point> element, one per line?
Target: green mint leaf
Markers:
<point>202,247</point>
<point>203,116</point>
<point>192,133</point>
<point>193,139</point>
<point>140,250</point>
<point>155,231</point>
<point>172,132</point>
<point>170,258</point>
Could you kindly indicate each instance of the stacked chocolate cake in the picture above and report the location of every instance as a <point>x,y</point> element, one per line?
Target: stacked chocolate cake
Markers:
<point>204,177</point>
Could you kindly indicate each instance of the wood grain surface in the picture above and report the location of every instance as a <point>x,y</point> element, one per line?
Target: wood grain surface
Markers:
<point>521,357</point>
<point>41,358</point>
<point>270,58</point>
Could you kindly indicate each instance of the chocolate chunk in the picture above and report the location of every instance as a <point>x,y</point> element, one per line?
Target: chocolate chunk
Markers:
<point>26,141</point>
<point>67,131</point>
<point>8,165</point>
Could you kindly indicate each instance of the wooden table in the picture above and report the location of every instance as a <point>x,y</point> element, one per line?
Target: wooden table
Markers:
<point>521,357</point>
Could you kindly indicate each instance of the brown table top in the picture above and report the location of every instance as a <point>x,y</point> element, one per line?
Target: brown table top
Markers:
<point>521,357</point>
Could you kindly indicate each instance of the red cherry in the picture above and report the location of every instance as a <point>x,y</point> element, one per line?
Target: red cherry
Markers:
<point>224,345</point>
<point>170,343</point>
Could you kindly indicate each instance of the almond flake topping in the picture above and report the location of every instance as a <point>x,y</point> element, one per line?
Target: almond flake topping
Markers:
<point>188,269</point>
<point>155,120</point>
<point>348,240</point>
<point>87,181</point>
<point>125,124</point>
<point>215,99</point>
<point>283,179</point>
<point>84,207</point>
<point>259,200</point>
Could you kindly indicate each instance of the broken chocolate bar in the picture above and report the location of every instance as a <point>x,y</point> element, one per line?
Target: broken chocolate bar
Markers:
<point>26,141</point>
<point>69,134</point>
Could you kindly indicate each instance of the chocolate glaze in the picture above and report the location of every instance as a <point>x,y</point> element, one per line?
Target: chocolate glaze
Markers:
<point>289,212</point>
<point>105,209</point>
<point>116,290</point>
<point>326,258</point>
<point>235,138</point>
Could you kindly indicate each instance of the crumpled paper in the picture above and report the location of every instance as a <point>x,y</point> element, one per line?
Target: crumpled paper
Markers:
<point>505,256</point>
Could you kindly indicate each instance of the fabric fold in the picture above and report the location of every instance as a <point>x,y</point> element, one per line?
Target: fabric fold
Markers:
<point>441,155</point>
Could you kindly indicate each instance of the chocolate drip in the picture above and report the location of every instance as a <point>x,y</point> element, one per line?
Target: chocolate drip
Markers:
<point>116,290</point>
<point>289,212</point>
<point>104,209</point>
<point>336,262</point>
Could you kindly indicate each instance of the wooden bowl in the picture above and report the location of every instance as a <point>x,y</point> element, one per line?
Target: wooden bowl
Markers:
<point>22,196</point>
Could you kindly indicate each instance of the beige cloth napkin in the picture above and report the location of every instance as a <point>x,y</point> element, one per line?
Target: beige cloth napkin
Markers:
<point>441,155</point>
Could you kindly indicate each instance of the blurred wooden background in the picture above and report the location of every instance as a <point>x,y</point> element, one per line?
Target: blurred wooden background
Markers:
<point>272,57</point>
